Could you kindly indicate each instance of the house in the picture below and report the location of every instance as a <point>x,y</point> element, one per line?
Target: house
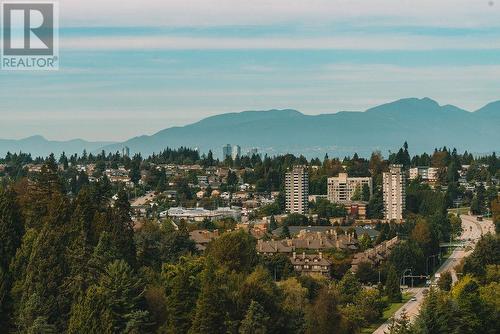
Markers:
<point>241,195</point>
<point>360,230</point>
<point>245,187</point>
<point>202,180</point>
<point>203,237</point>
<point>376,255</point>
<point>257,229</point>
<point>171,194</point>
<point>273,247</point>
<point>311,264</point>
<point>310,241</point>
<point>226,195</point>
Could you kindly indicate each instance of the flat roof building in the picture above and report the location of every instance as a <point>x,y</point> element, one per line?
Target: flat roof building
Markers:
<point>297,190</point>
<point>394,193</point>
<point>342,188</point>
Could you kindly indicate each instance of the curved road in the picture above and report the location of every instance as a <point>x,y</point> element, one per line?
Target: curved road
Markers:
<point>472,232</point>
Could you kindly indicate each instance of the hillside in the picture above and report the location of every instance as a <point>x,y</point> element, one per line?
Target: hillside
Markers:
<point>422,122</point>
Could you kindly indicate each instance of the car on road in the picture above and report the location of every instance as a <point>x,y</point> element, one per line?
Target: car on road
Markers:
<point>413,299</point>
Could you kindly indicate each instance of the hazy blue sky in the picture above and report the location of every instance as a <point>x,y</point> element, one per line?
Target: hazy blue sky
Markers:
<point>135,67</point>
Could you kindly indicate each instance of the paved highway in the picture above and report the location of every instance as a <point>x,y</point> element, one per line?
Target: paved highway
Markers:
<point>472,231</point>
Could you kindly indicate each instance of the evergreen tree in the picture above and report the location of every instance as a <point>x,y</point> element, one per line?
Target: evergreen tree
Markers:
<point>324,316</point>
<point>402,325</point>
<point>445,281</point>
<point>90,314</point>
<point>235,251</point>
<point>11,227</point>
<point>182,284</point>
<point>39,285</point>
<point>272,224</point>
<point>375,207</point>
<point>285,231</point>
<point>478,203</point>
<point>210,314</point>
<point>121,228</point>
<point>437,315</point>
<point>11,231</point>
<point>255,321</point>
<point>123,292</point>
<point>392,289</point>
<point>365,193</point>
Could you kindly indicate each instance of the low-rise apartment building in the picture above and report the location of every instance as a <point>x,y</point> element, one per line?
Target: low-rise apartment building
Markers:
<point>430,174</point>
<point>342,188</point>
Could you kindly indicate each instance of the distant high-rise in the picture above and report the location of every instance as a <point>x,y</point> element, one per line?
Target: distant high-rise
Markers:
<point>236,152</point>
<point>342,188</point>
<point>297,190</point>
<point>394,192</point>
<point>125,151</point>
<point>253,151</point>
<point>226,151</point>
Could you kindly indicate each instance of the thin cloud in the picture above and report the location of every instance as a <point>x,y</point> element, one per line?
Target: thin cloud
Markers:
<point>202,13</point>
<point>351,42</point>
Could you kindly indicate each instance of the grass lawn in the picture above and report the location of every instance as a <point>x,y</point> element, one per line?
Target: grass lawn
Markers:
<point>388,312</point>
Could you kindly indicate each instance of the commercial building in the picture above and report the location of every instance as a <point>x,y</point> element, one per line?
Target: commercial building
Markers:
<point>394,192</point>
<point>253,151</point>
<point>233,151</point>
<point>226,151</point>
<point>125,151</point>
<point>200,214</point>
<point>297,190</point>
<point>236,152</point>
<point>342,188</point>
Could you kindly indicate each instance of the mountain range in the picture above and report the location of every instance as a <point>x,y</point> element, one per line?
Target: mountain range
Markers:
<point>423,123</point>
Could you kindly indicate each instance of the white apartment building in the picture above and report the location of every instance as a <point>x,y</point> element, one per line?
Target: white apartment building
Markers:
<point>297,190</point>
<point>394,192</point>
<point>342,188</point>
<point>430,174</point>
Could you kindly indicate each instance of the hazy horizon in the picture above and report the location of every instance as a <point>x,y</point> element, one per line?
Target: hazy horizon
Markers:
<point>216,114</point>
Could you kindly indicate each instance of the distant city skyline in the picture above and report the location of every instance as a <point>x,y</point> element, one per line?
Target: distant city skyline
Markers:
<point>131,68</point>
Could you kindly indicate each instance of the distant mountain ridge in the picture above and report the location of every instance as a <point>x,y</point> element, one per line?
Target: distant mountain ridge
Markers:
<point>39,146</point>
<point>422,122</point>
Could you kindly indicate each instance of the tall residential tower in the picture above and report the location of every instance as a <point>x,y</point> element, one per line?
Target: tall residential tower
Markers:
<point>394,192</point>
<point>297,190</point>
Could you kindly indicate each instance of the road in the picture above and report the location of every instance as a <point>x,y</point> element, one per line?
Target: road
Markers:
<point>471,233</point>
<point>149,196</point>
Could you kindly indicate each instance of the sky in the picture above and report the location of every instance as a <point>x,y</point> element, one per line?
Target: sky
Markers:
<point>130,68</point>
